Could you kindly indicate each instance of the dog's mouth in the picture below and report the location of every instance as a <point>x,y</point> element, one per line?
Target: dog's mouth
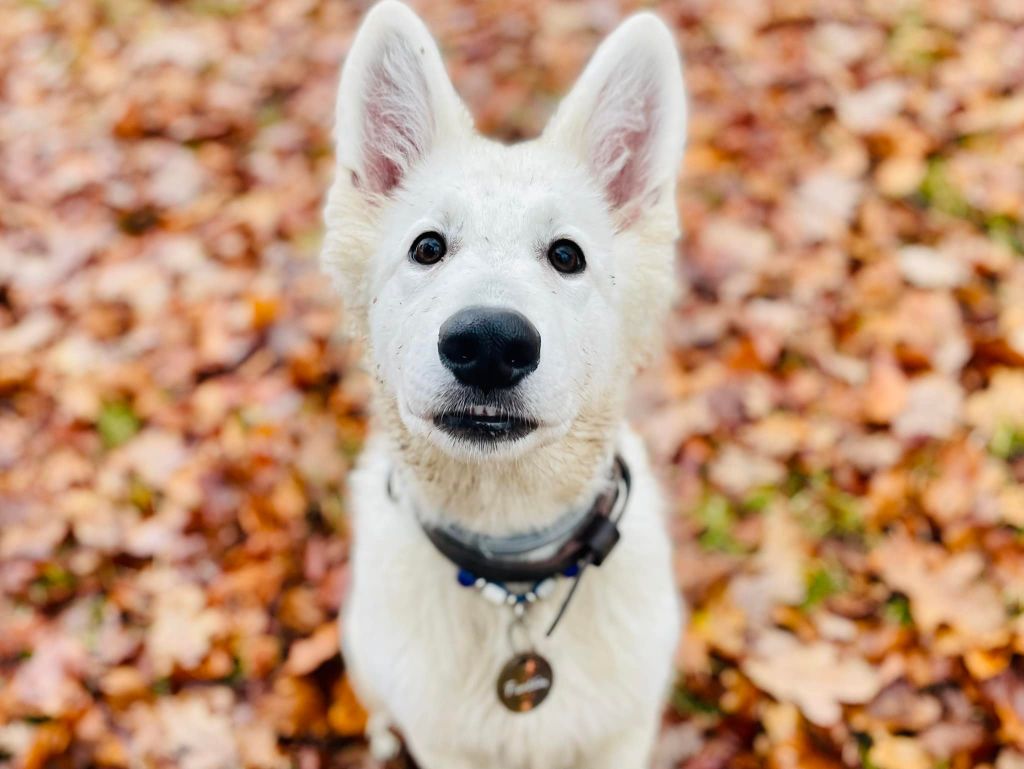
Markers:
<point>484,424</point>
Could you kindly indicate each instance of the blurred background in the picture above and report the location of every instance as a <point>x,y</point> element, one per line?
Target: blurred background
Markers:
<point>839,416</point>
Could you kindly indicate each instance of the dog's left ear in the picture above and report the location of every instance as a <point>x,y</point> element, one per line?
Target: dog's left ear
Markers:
<point>626,116</point>
<point>395,101</point>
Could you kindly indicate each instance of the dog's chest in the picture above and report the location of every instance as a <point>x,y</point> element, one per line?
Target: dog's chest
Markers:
<point>430,652</point>
<point>437,655</point>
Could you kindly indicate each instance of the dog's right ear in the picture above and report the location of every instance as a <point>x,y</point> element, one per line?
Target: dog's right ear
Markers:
<point>395,101</point>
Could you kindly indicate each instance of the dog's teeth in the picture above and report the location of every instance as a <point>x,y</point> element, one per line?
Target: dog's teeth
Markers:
<point>490,412</point>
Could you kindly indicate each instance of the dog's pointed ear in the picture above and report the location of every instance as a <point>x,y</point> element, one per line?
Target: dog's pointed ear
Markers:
<point>395,101</point>
<point>626,116</point>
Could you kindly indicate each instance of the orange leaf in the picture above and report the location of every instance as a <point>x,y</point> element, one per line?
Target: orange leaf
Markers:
<point>346,715</point>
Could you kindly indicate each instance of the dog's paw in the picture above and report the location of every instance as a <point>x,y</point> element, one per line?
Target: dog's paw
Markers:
<point>385,745</point>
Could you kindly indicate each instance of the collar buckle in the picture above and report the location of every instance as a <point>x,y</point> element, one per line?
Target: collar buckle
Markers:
<point>599,538</point>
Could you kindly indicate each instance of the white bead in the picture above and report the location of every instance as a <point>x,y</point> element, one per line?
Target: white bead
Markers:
<point>494,593</point>
<point>480,582</point>
<point>511,600</point>
<point>545,588</point>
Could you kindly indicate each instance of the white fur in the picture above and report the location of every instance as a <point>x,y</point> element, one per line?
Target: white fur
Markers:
<point>424,654</point>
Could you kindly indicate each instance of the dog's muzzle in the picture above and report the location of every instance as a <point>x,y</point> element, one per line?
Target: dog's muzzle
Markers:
<point>489,350</point>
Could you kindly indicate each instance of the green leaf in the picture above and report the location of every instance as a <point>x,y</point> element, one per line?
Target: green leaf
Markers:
<point>846,509</point>
<point>759,499</point>
<point>687,703</point>
<point>864,743</point>
<point>1007,231</point>
<point>717,517</point>
<point>117,424</point>
<point>55,576</point>
<point>897,610</point>
<point>823,582</point>
<point>939,192</point>
<point>1007,443</point>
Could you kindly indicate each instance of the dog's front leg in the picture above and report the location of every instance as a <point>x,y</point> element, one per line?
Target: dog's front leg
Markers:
<point>628,749</point>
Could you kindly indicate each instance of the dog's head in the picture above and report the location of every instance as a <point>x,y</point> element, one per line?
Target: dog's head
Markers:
<point>505,291</point>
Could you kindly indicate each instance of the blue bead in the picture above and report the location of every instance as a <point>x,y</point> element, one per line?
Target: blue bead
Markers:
<point>466,578</point>
<point>572,571</point>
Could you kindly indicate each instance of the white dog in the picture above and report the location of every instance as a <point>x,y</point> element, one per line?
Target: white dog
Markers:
<point>507,294</point>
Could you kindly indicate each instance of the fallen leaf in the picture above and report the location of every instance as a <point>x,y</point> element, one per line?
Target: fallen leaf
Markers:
<point>899,753</point>
<point>346,715</point>
<point>307,654</point>
<point>944,590</point>
<point>813,676</point>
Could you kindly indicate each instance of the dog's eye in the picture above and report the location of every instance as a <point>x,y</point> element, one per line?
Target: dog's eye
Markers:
<point>428,248</point>
<point>566,257</point>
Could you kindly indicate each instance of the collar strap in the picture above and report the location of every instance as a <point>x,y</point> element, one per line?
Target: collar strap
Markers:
<point>588,540</point>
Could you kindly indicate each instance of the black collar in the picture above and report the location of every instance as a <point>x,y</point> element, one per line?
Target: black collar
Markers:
<point>588,542</point>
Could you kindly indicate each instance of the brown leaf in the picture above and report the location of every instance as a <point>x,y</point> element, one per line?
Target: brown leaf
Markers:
<point>346,715</point>
<point>945,590</point>
<point>307,654</point>
<point>815,677</point>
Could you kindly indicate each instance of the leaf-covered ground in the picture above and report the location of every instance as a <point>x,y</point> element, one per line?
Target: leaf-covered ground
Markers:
<point>840,418</point>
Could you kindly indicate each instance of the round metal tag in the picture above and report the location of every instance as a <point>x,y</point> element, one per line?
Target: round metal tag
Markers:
<point>525,682</point>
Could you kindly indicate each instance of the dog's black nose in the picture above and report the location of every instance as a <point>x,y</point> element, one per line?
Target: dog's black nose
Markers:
<point>489,348</point>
